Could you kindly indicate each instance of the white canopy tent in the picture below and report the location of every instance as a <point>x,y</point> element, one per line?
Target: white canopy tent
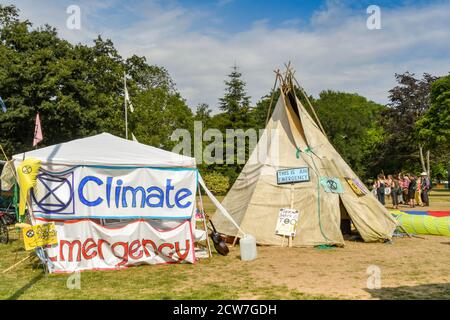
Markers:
<point>114,229</point>
<point>109,150</point>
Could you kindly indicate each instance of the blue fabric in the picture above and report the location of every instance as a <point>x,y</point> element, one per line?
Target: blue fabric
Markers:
<point>417,213</point>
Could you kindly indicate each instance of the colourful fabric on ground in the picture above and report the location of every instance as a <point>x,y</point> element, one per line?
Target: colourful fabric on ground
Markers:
<point>423,223</point>
<point>436,214</point>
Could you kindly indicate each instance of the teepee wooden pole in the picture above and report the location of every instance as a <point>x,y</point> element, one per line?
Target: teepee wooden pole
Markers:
<point>17,263</point>
<point>272,97</point>
<point>310,106</point>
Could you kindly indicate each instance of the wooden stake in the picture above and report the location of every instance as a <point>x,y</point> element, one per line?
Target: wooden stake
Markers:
<point>235,240</point>
<point>202,210</point>
<point>16,264</point>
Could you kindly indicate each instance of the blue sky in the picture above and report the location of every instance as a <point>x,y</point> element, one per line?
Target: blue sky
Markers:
<point>236,15</point>
<point>328,41</point>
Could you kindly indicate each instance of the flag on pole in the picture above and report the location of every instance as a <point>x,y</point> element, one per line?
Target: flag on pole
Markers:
<point>37,131</point>
<point>127,98</point>
<point>2,104</point>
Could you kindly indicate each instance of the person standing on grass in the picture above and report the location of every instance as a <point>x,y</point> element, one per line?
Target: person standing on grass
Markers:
<point>426,186</point>
<point>411,191</point>
<point>380,186</point>
<point>395,191</point>
<point>406,182</point>
<point>388,188</point>
<point>418,193</point>
<point>400,189</point>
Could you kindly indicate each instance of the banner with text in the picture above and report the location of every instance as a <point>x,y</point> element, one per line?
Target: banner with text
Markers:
<point>86,245</point>
<point>115,193</point>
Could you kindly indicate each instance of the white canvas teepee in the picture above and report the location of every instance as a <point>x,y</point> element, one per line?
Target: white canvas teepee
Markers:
<point>292,139</point>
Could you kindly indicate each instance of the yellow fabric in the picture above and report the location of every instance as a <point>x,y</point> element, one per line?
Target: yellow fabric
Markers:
<point>425,224</point>
<point>27,172</point>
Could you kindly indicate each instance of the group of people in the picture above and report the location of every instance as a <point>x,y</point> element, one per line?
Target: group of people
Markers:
<point>403,189</point>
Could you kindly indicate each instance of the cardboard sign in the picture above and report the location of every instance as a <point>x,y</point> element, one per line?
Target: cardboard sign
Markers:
<point>356,186</point>
<point>86,245</point>
<point>287,222</point>
<point>98,192</point>
<point>39,236</point>
<point>294,175</point>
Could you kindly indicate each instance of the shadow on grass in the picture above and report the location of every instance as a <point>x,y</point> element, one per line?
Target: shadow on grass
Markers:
<point>435,291</point>
<point>22,290</point>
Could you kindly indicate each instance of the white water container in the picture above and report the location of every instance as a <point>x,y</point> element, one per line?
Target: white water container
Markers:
<point>248,248</point>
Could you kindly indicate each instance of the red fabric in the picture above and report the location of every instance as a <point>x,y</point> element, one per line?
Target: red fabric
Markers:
<point>439,213</point>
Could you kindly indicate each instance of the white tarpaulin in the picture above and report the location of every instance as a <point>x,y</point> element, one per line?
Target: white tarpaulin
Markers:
<point>86,245</point>
<point>7,177</point>
<point>106,149</point>
<point>101,192</point>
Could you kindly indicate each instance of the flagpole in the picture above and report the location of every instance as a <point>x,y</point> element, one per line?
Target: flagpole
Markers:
<point>125,100</point>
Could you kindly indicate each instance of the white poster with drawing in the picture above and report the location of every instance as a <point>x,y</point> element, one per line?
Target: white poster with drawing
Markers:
<point>287,222</point>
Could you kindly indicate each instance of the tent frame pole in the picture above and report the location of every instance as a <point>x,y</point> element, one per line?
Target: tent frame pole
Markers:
<point>310,106</point>
<point>202,210</point>
<point>277,72</point>
<point>125,104</point>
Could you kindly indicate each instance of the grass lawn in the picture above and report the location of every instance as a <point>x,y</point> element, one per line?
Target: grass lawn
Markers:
<point>411,268</point>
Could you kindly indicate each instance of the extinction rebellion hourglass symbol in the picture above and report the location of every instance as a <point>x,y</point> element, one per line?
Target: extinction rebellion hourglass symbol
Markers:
<point>54,193</point>
<point>27,169</point>
<point>332,185</point>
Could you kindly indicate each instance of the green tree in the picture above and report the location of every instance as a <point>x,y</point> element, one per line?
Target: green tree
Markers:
<point>203,114</point>
<point>158,113</point>
<point>78,90</point>
<point>237,114</point>
<point>434,126</point>
<point>409,101</point>
<point>235,103</point>
<point>235,98</point>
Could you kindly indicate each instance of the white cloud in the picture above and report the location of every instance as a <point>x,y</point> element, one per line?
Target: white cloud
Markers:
<point>336,51</point>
